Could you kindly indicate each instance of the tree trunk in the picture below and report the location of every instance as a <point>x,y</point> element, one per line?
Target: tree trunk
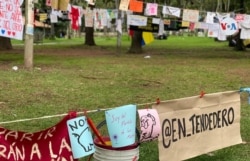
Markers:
<point>5,43</point>
<point>89,36</point>
<point>240,45</point>
<point>52,31</point>
<point>136,46</point>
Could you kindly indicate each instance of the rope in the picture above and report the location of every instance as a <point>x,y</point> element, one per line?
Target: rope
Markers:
<point>65,114</point>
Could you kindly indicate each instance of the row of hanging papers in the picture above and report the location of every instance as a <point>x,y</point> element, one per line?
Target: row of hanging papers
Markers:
<point>100,18</point>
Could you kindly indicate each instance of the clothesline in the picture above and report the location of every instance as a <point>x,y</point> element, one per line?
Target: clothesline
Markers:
<point>65,114</point>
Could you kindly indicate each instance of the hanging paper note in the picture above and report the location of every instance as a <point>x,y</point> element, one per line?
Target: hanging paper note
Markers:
<point>11,21</point>
<point>136,6</point>
<point>124,5</point>
<point>190,15</point>
<point>80,137</point>
<point>185,23</point>
<point>173,11</point>
<point>89,18</point>
<point>137,20</point>
<point>150,124</point>
<point>121,123</point>
<point>151,9</point>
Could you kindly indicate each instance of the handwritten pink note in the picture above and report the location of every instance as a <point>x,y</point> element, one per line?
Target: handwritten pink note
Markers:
<point>150,124</point>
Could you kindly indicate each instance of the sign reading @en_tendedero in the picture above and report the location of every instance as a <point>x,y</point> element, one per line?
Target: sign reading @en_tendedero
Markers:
<point>228,26</point>
<point>11,21</point>
<point>80,137</point>
<point>194,126</point>
<point>51,144</point>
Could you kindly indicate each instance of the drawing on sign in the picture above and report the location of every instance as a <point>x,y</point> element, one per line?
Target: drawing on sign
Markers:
<point>80,137</point>
<point>147,124</point>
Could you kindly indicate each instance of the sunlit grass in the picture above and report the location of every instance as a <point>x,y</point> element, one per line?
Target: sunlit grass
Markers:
<point>178,67</point>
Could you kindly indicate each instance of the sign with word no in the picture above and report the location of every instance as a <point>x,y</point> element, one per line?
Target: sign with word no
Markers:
<point>11,22</point>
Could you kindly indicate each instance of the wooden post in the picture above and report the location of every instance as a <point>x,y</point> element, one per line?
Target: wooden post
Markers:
<point>118,42</point>
<point>29,31</point>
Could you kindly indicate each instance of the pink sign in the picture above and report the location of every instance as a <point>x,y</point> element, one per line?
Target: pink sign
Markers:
<point>11,22</point>
<point>150,124</point>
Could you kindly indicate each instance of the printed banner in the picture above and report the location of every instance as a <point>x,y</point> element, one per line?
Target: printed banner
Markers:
<point>121,123</point>
<point>80,137</point>
<point>228,26</point>
<point>51,144</point>
<point>137,20</point>
<point>194,126</point>
<point>150,124</point>
<point>11,21</point>
<point>150,26</point>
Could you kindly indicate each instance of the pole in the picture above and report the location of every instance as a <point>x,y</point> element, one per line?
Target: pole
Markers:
<point>29,31</point>
<point>118,45</point>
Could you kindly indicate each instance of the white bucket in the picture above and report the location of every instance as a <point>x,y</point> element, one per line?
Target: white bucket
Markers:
<point>107,153</point>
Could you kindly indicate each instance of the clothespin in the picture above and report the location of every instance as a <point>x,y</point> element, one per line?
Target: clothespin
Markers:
<point>158,101</point>
<point>202,94</point>
<point>248,91</point>
<point>72,114</point>
<point>93,127</point>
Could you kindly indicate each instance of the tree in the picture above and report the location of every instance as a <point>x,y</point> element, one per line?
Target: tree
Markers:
<point>5,43</point>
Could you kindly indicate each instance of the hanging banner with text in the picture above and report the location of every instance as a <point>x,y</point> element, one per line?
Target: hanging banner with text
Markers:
<point>52,144</point>
<point>149,26</point>
<point>194,126</point>
<point>11,21</point>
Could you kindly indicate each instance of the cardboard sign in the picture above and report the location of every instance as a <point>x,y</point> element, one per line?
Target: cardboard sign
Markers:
<point>121,123</point>
<point>11,21</point>
<point>51,144</point>
<point>80,137</point>
<point>194,126</point>
<point>228,26</point>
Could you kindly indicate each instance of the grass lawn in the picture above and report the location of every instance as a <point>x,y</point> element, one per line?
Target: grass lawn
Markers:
<point>70,76</point>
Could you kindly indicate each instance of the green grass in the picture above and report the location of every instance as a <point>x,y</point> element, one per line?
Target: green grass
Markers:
<point>178,67</point>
